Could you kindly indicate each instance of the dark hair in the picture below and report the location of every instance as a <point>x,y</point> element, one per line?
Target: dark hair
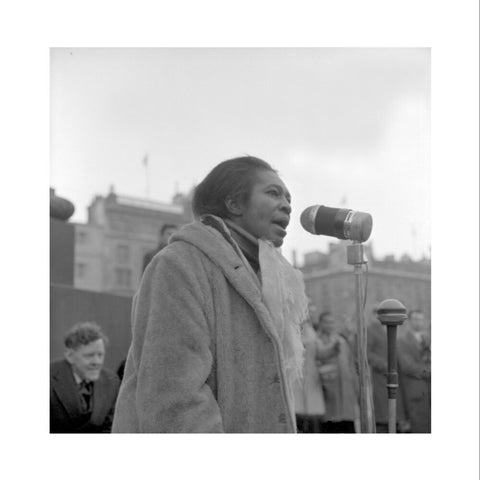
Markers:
<point>232,178</point>
<point>83,334</point>
<point>166,226</point>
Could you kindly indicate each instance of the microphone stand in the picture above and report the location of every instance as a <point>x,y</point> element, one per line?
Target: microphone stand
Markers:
<point>356,257</point>
<point>392,313</point>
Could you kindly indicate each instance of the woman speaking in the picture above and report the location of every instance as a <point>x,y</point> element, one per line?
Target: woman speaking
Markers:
<point>216,321</point>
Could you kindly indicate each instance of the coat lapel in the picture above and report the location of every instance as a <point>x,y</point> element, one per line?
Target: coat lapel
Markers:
<point>237,271</point>
<point>99,400</point>
<point>66,389</point>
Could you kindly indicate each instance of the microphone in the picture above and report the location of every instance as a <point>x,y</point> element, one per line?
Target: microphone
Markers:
<point>340,223</point>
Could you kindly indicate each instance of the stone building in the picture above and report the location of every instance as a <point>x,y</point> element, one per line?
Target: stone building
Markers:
<point>70,305</point>
<point>330,281</point>
<point>120,230</point>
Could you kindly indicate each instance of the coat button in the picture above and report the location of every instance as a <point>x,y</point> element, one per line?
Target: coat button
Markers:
<point>282,418</point>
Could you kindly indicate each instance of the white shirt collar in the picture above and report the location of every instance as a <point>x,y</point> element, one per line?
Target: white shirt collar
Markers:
<point>78,379</point>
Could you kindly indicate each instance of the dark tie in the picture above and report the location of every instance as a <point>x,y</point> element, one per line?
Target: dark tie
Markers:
<point>85,390</point>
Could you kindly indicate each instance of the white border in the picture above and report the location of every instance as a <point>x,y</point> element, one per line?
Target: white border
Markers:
<point>451,28</point>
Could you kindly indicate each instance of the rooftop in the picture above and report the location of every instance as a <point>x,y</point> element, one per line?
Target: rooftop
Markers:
<point>149,204</point>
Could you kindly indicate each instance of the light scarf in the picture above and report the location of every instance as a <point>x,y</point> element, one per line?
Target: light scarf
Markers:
<point>283,292</point>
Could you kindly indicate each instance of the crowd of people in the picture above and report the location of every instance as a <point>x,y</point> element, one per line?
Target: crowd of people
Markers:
<point>327,399</point>
<point>220,336</point>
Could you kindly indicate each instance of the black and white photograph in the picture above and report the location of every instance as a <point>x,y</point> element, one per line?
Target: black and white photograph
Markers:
<point>263,221</point>
<point>170,168</point>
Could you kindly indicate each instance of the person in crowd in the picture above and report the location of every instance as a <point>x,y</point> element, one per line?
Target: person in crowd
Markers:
<point>413,352</point>
<point>348,330</point>
<point>377,355</point>
<point>216,322</point>
<point>308,392</point>
<point>82,391</point>
<point>166,231</point>
<point>336,368</point>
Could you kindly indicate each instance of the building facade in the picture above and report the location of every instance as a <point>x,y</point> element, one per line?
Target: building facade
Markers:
<point>110,247</point>
<point>330,282</point>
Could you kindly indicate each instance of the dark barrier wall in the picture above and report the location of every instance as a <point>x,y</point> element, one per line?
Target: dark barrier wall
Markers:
<point>69,305</point>
<point>62,237</point>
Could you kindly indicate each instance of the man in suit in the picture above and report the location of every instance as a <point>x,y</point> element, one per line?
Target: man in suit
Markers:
<point>413,352</point>
<point>165,233</point>
<point>82,392</point>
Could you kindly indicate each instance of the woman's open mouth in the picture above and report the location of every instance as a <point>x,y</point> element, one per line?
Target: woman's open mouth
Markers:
<point>282,224</point>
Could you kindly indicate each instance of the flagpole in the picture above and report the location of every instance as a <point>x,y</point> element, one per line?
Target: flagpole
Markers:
<point>145,164</point>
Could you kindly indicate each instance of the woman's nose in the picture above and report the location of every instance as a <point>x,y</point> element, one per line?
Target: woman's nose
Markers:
<point>286,207</point>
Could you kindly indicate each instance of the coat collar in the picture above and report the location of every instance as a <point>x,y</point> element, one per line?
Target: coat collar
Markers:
<point>217,243</point>
<point>66,388</point>
<point>100,400</point>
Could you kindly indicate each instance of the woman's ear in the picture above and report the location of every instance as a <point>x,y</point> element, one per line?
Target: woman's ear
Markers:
<point>234,207</point>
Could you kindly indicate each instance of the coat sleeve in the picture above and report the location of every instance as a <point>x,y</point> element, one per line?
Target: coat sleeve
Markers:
<point>114,386</point>
<point>410,364</point>
<point>172,347</point>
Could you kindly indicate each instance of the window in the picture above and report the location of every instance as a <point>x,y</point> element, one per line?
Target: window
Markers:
<point>81,270</point>
<point>123,253</point>
<point>123,277</point>
<point>82,237</point>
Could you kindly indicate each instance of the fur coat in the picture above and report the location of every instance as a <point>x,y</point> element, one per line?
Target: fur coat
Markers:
<point>205,356</point>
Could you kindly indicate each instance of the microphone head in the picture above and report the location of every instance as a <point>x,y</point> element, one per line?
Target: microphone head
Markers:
<point>307,218</point>
<point>340,223</point>
<point>361,226</point>
<point>391,312</point>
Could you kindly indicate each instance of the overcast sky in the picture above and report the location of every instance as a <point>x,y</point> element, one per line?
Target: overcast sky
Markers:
<point>344,127</point>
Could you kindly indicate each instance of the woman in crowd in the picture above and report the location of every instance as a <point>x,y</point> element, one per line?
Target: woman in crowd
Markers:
<point>414,362</point>
<point>337,373</point>
<point>216,321</point>
<point>309,399</point>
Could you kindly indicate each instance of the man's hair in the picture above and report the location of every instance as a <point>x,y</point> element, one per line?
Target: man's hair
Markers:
<point>83,334</point>
<point>166,226</point>
<point>232,178</point>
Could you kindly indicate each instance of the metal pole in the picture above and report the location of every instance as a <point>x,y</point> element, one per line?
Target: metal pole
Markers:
<point>145,164</point>
<point>392,313</point>
<point>360,348</point>
<point>356,258</point>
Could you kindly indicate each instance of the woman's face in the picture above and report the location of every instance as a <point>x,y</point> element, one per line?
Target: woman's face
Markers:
<point>266,213</point>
